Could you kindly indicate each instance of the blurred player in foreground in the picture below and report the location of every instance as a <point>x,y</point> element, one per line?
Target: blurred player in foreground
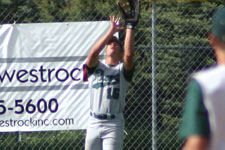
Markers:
<point>203,124</point>
<point>108,83</point>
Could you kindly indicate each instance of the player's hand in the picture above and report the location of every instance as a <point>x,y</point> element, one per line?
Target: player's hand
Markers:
<point>115,24</point>
<point>130,10</point>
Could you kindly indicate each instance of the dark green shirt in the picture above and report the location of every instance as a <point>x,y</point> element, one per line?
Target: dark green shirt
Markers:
<point>195,119</point>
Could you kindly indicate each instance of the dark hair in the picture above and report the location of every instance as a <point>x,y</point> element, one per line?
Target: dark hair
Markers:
<point>115,39</point>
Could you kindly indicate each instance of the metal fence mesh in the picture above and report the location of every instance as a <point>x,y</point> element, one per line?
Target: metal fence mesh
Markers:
<point>182,47</point>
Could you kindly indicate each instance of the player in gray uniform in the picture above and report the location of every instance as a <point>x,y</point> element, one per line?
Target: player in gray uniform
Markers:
<point>108,83</point>
<point>203,123</point>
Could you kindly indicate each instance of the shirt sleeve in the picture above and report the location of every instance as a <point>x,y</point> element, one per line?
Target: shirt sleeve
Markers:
<point>128,74</point>
<point>195,119</point>
<point>90,70</point>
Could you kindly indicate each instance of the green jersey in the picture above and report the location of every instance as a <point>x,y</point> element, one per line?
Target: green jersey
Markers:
<point>205,107</point>
<point>195,116</point>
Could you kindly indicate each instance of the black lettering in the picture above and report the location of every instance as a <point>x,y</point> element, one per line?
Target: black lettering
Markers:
<point>70,121</point>
<point>46,120</point>
<point>7,74</point>
<point>20,123</point>
<point>57,75</point>
<point>49,74</point>
<point>33,75</point>
<point>1,123</point>
<point>32,122</point>
<point>40,122</point>
<point>12,122</point>
<point>42,74</point>
<point>20,75</point>
<point>72,72</point>
<point>55,122</point>
<point>7,123</point>
<point>45,75</point>
<point>26,122</point>
<point>61,122</point>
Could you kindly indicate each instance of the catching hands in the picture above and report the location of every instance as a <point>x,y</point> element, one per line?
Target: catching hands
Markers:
<point>130,10</point>
<point>115,24</point>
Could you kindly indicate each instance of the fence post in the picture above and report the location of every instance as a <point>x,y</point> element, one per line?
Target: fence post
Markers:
<point>18,139</point>
<point>18,136</point>
<point>154,140</point>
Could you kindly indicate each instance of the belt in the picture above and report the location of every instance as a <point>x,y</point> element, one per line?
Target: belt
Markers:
<point>102,116</point>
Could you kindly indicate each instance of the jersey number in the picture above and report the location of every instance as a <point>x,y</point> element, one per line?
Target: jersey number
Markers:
<point>113,93</point>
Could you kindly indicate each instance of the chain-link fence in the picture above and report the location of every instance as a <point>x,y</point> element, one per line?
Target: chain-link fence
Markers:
<point>181,48</point>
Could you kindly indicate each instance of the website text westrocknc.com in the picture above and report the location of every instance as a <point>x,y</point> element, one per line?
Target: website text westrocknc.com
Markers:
<point>36,122</point>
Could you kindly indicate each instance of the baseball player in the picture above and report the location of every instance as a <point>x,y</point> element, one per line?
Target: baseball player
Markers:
<point>203,124</point>
<point>108,83</point>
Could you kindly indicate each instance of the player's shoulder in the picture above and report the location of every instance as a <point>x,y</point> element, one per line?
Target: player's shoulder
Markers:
<point>108,68</point>
<point>210,79</point>
<point>213,72</point>
<point>101,65</point>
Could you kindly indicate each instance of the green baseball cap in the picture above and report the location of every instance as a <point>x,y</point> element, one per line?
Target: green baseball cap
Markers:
<point>218,24</point>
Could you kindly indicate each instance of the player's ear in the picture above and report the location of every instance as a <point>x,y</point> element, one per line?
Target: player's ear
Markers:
<point>214,41</point>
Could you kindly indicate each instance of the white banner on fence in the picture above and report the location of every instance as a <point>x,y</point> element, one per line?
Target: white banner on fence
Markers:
<point>41,75</point>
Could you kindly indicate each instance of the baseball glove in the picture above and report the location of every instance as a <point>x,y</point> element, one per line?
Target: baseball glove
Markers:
<point>130,10</point>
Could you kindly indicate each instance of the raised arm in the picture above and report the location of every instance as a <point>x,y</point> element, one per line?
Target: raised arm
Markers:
<point>129,49</point>
<point>93,56</point>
